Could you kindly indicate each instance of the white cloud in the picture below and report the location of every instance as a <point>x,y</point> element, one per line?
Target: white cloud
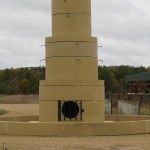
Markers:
<point>23,27</point>
<point>122,26</point>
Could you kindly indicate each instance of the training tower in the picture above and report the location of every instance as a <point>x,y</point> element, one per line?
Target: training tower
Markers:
<point>71,90</point>
<point>71,96</point>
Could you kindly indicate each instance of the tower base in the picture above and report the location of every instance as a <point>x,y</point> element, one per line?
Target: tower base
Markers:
<point>136,125</point>
<point>78,101</point>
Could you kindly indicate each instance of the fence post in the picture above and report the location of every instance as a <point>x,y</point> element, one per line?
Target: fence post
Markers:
<point>139,108</point>
<point>111,106</point>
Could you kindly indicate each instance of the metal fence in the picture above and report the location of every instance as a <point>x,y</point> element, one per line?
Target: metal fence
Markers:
<point>143,100</point>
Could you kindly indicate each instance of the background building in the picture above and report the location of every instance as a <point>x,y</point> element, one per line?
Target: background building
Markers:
<point>139,83</point>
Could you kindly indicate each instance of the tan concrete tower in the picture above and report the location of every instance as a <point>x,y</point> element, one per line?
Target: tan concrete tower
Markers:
<point>71,90</point>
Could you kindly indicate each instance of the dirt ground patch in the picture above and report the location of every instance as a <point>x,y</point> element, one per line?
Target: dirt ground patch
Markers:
<point>20,109</point>
<point>134,142</point>
<point>129,142</point>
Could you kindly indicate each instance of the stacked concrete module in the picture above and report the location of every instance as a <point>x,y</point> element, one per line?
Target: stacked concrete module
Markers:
<point>71,66</point>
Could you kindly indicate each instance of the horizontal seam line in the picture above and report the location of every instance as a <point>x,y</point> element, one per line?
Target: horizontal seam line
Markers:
<point>73,56</point>
<point>71,14</point>
<point>73,41</point>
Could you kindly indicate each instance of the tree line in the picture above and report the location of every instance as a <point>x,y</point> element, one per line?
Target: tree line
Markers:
<point>115,77</point>
<point>21,80</point>
<point>26,80</point>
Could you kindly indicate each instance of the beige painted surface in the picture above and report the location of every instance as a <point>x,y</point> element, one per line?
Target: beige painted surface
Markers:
<point>71,25</point>
<point>93,111</point>
<point>48,111</point>
<point>71,68</point>
<point>74,129</point>
<point>72,82</point>
<point>71,18</point>
<point>27,125</point>
<point>60,6</point>
<point>74,92</point>
<point>147,127</point>
<point>71,63</point>
<point>72,49</point>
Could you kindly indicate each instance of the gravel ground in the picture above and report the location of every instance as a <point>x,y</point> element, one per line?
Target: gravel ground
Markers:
<point>130,142</point>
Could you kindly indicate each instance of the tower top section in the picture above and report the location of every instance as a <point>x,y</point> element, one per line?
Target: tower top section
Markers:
<point>71,6</point>
<point>71,18</point>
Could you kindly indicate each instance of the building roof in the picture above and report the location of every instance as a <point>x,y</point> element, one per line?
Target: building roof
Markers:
<point>144,76</point>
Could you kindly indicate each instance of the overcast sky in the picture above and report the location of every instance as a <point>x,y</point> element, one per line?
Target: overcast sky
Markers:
<point>122,28</point>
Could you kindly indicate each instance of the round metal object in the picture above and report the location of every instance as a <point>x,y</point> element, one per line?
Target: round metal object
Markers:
<point>70,109</point>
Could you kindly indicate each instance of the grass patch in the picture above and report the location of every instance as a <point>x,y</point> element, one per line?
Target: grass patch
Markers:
<point>19,99</point>
<point>2,112</point>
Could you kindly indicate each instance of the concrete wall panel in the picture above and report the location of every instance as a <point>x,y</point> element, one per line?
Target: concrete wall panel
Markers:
<point>71,6</point>
<point>147,127</point>
<point>71,93</point>
<point>71,25</point>
<point>72,49</point>
<point>72,82</point>
<point>128,107</point>
<point>108,106</point>
<point>73,129</point>
<point>71,68</point>
<point>48,111</point>
<point>93,111</point>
